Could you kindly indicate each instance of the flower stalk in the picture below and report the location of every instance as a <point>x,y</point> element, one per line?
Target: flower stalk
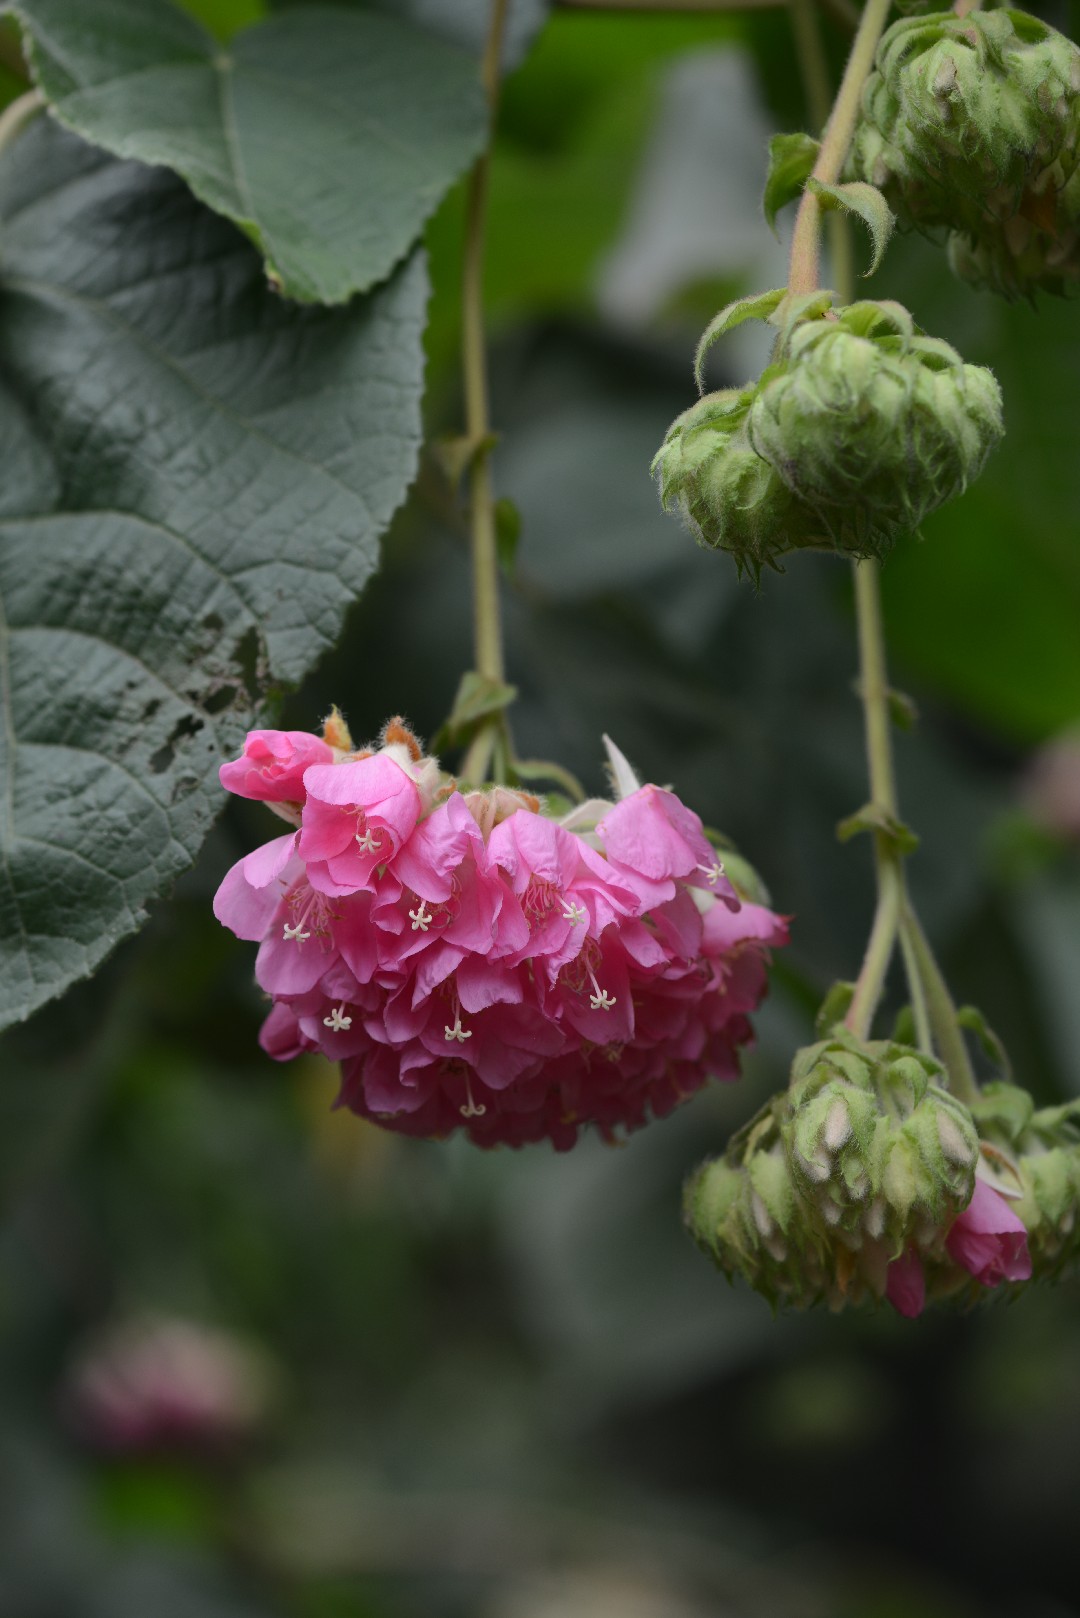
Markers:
<point>484,552</point>
<point>805,274</point>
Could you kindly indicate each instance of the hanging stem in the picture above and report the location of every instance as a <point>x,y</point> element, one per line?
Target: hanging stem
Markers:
<point>485,561</point>
<point>804,273</point>
<point>814,69</point>
<point>941,1010</point>
<point>874,690</point>
<point>923,1032</point>
<point>839,125</point>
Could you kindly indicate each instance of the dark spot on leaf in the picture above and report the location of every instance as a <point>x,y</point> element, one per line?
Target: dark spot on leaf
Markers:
<point>151,709</point>
<point>219,699</point>
<point>189,725</point>
<point>247,657</point>
<point>184,785</point>
<point>214,623</point>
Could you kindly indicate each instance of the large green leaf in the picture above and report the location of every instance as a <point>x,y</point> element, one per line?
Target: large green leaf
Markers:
<point>328,134</point>
<point>195,478</point>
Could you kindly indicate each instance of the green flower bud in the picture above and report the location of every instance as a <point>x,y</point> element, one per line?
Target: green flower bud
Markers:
<point>860,428</point>
<point>873,425</point>
<point>972,125</point>
<point>1043,1163</point>
<point>745,1212</point>
<point>875,1142</point>
<point>727,495</point>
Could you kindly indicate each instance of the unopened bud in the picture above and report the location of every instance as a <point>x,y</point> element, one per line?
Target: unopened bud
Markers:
<point>873,425</point>
<point>709,472</point>
<point>971,125</point>
<point>874,1140</point>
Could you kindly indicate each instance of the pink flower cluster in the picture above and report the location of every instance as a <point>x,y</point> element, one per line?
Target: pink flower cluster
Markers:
<point>988,1240</point>
<point>474,964</point>
<point>166,1384</point>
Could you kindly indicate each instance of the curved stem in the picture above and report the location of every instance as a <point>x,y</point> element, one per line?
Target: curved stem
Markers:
<point>803,275</point>
<point>485,561</point>
<point>16,116</point>
<point>942,1012</point>
<point>924,1037</point>
<point>874,688</point>
<point>879,952</point>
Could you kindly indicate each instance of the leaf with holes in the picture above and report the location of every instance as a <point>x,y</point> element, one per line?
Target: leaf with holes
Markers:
<point>195,478</point>
<point>329,135</point>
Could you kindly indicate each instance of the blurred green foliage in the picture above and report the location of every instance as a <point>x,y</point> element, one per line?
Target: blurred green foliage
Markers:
<point>508,1385</point>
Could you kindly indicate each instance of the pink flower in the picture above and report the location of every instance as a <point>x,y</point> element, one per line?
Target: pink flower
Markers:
<point>356,817</point>
<point>475,965</point>
<point>157,1384</point>
<point>989,1239</point>
<point>658,839</point>
<point>272,765</point>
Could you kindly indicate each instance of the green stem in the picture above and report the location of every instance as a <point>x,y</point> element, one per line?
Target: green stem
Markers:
<point>816,84</point>
<point>944,1022</point>
<point>485,560</point>
<point>804,274</point>
<point>874,689</point>
<point>16,116</point>
<point>879,951</point>
<point>924,1036</point>
<point>476,765</point>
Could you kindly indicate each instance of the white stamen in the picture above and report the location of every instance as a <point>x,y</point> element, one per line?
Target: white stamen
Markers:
<point>296,934</point>
<point>712,873</point>
<point>600,1000</point>
<point>457,1032</point>
<point>575,914</point>
<point>337,1019</point>
<point>368,842</point>
<point>471,1109</point>
<point>421,921</point>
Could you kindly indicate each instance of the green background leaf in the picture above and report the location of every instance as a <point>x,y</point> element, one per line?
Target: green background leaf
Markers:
<point>329,135</point>
<point>196,475</point>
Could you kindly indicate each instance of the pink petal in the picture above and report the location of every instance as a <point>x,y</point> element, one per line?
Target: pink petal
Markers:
<point>905,1285</point>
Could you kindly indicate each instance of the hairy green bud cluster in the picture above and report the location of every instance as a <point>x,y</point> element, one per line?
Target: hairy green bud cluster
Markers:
<point>745,1212</point>
<point>875,1141</point>
<point>860,428</point>
<point>971,126</point>
<point>727,494</point>
<point>865,1154</point>
<point>1037,1157</point>
<point>873,424</point>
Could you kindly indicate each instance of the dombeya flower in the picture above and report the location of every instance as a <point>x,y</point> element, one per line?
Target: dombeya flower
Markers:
<point>474,964</point>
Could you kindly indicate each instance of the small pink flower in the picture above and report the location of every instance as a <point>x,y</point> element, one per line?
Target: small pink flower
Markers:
<point>989,1239</point>
<point>162,1384</point>
<point>358,814</point>
<point>654,836</point>
<point>272,765</point>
